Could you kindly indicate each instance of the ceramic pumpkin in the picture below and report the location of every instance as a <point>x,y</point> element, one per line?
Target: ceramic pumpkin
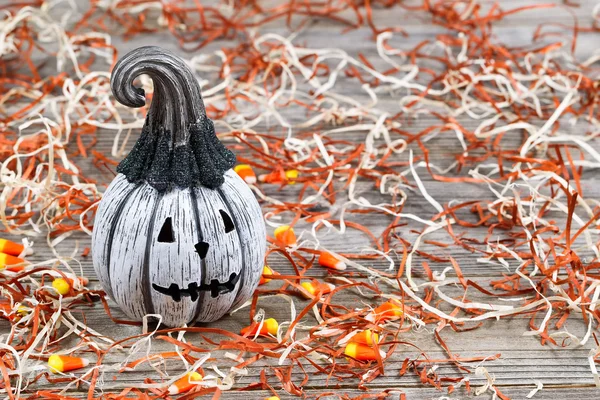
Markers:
<point>178,232</point>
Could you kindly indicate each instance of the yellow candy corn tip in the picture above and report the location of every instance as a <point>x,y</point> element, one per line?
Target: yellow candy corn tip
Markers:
<point>309,287</point>
<point>22,310</point>
<point>396,310</point>
<point>350,350</point>
<point>283,228</point>
<point>241,167</point>
<point>373,336</point>
<point>195,376</point>
<point>55,364</point>
<point>272,398</point>
<point>291,174</point>
<point>272,326</point>
<point>267,271</point>
<point>370,336</point>
<point>61,286</point>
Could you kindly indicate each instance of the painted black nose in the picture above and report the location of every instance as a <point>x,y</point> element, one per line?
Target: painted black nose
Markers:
<point>201,249</point>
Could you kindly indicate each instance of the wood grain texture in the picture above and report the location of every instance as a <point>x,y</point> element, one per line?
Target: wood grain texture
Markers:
<point>563,371</point>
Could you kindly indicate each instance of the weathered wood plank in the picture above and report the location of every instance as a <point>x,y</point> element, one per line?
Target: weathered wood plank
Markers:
<point>514,392</point>
<point>524,362</point>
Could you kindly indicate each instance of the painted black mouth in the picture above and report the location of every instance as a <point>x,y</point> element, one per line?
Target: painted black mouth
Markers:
<point>193,290</point>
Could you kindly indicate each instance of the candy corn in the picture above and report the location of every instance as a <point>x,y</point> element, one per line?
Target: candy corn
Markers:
<point>362,352</point>
<point>6,309</point>
<point>273,177</point>
<point>313,288</point>
<point>288,176</point>
<point>187,382</point>
<point>286,235</point>
<point>269,326</point>
<point>5,306</point>
<point>386,311</point>
<point>272,398</point>
<point>61,285</point>
<point>328,260</point>
<point>367,337</point>
<point>291,176</point>
<point>58,363</point>
<point>266,271</point>
<point>11,263</point>
<point>71,278</point>
<point>246,173</point>
<point>12,248</point>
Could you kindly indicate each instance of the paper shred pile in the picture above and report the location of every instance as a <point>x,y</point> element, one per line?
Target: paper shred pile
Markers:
<point>519,125</point>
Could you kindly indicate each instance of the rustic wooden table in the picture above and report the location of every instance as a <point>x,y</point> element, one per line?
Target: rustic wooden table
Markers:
<point>524,362</point>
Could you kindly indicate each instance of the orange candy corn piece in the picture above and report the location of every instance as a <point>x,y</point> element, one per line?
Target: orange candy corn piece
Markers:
<point>367,337</point>
<point>362,352</point>
<point>266,271</point>
<point>328,260</point>
<point>288,176</point>
<point>269,326</point>
<point>66,363</point>
<point>314,288</point>
<point>186,383</point>
<point>6,311</point>
<point>286,235</point>
<point>273,177</point>
<point>5,306</point>
<point>11,263</point>
<point>386,311</point>
<point>12,248</point>
<point>246,173</point>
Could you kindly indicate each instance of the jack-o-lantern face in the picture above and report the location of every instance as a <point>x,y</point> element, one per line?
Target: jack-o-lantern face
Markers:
<point>188,254</point>
<point>177,233</point>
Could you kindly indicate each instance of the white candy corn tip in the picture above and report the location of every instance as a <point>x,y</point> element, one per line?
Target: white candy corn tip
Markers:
<point>173,389</point>
<point>340,266</point>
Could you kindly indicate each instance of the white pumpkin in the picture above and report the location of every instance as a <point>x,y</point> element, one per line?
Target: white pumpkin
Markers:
<point>177,233</point>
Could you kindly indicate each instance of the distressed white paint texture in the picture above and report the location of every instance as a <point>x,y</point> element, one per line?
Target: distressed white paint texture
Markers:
<point>129,259</point>
<point>248,220</point>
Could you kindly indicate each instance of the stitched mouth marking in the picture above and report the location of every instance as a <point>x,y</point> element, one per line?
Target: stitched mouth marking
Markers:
<point>193,290</point>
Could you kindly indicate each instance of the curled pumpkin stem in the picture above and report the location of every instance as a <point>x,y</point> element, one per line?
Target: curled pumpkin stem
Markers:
<point>178,145</point>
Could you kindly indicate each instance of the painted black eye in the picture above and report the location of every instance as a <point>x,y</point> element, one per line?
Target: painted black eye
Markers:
<point>166,232</point>
<point>227,221</point>
<point>201,249</point>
